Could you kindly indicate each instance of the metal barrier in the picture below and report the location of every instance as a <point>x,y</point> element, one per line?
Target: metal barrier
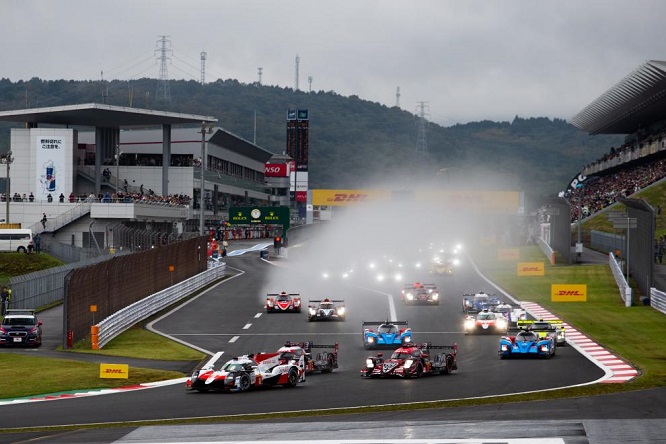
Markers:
<point>120,321</point>
<point>622,285</point>
<point>658,300</point>
<point>547,250</point>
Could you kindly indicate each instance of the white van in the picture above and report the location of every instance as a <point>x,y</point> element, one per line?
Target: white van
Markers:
<point>18,239</point>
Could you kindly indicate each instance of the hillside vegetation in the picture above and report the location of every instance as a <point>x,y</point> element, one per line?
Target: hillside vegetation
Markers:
<point>354,143</point>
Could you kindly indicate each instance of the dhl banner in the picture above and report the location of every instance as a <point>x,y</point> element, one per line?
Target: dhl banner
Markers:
<point>348,197</point>
<point>508,254</point>
<point>530,269</point>
<point>507,202</point>
<point>568,292</point>
<point>118,371</point>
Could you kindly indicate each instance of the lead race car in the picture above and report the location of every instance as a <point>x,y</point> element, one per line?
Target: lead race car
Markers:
<point>247,372</point>
<point>386,333</point>
<point>418,293</point>
<point>324,361</point>
<point>551,327</point>
<point>527,344</point>
<point>327,310</point>
<point>413,361</point>
<point>283,302</point>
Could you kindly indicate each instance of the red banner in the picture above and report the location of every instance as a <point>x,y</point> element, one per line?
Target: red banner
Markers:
<point>301,196</point>
<point>276,170</point>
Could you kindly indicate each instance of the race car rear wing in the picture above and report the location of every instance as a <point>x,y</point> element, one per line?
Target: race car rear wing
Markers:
<point>308,345</point>
<point>528,324</point>
<point>282,294</point>
<point>321,300</point>
<point>429,346</point>
<point>385,322</point>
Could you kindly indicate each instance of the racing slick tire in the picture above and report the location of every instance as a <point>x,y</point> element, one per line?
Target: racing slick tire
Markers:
<point>329,366</point>
<point>448,365</point>
<point>292,377</point>
<point>418,372</point>
<point>244,383</point>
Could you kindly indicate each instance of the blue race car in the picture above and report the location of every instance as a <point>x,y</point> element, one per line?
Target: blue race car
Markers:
<point>527,343</point>
<point>386,334</point>
<point>477,302</point>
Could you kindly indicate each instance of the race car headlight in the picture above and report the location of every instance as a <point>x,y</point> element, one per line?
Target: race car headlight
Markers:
<point>370,339</point>
<point>410,296</point>
<point>312,311</point>
<point>341,310</point>
<point>501,323</point>
<point>408,339</point>
<point>269,302</point>
<point>469,323</point>
<point>397,277</point>
<point>324,275</point>
<point>369,363</point>
<point>504,347</point>
<point>408,363</point>
<point>544,348</point>
<point>435,296</point>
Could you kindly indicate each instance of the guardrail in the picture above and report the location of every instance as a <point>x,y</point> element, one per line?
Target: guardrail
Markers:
<point>658,300</point>
<point>622,285</point>
<point>547,250</point>
<point>117,323</point>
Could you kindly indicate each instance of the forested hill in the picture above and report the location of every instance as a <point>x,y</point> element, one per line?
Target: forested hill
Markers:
<point>354,143</point>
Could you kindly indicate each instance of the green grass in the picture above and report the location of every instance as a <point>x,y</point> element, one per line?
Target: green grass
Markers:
<point>16,264</point>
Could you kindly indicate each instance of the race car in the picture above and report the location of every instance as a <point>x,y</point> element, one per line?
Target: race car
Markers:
<point>326,310</point>
<point>552,327</point>
<point>387,333</point>
<point>443,266</point>
<point>324,362</point>
<point>486,322</point>
<point>511,314</point>
<point>21,328</point>
<point>247,372</point>
<point>477,302</point>
<point>412,361</point>
<point>527,343</point>
<point>418,293</point>
<point>282,302</point>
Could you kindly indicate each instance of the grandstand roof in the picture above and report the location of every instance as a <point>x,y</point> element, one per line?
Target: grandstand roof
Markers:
<point>637,101</point>
<point>101,115</point>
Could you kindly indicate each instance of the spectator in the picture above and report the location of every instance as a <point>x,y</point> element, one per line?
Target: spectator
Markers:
<point>37,240</point>
<point>44,220</point>
<point>31,198</point>
<point>61,198</point>
<point>49,198</point>
<point>72,197</point>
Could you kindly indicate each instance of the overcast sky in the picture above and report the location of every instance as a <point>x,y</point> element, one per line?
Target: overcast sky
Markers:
<point>467,60</point>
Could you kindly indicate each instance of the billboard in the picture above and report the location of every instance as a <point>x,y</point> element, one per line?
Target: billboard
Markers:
<point>50,163</point>
<point>277,169</point>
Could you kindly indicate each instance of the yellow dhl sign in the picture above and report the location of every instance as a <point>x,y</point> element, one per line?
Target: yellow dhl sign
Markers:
<point>118,371</point>
<point>530,269</point>
<point>348,197</point>
<point>508,254</point>
<point>568,292</point>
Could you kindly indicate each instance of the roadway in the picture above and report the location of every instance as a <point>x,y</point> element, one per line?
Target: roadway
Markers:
<point>230,317</point>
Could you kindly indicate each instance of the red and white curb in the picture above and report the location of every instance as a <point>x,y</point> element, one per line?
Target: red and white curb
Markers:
<point>616,369</point>
<point>53,397</point>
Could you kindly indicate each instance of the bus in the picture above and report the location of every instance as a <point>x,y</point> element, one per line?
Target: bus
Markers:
<point>18,239</point>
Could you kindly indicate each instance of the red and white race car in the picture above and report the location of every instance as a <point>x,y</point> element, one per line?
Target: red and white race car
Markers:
<point>412,361</point>
<point>247,372</point>
<point>282,302</point>
<point>486,321</point>
<point>324,361</point>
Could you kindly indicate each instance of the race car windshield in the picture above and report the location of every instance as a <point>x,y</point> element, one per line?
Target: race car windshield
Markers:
<point>542,326</point>
<point>387,328</point>
<point>326,306</point>
<point>283,298</point>
<point>480,298</point>
<point>526,337</point>
<point>19,321</point>
<point>397,355</point>
<point>486,316</point>
<point>232,367</point>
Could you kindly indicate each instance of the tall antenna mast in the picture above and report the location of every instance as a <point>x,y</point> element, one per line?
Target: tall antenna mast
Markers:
<point>163,92</point>
<point>260,72</point>
<point>397,97</point>
<point>203,67</point>
<point>421,143</point>
<point>298,60</point>
<point>310,83</point>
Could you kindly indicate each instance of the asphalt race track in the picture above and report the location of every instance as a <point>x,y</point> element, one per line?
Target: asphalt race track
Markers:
<point>230,317</point>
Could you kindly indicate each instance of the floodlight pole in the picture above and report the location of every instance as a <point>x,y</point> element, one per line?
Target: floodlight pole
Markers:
<point>202,204</point>
<point>8,161</point>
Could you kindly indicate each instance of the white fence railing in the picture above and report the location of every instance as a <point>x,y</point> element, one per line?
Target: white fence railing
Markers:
<point>122,320</point>
<point>622,285</point>
<point>658,300</point>
<point>547,250</point>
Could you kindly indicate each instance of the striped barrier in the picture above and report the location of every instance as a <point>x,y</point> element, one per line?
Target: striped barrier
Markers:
<point>617,370</point>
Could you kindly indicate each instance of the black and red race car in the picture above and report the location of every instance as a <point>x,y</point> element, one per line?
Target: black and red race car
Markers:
<point>418,293</point>
<point>283,302</point>
<point>324,361</point>
<point>413,361</point>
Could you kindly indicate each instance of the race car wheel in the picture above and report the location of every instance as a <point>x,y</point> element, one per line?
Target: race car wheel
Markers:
<point>448,367</point>
<point>329,366</point>
<point>244,382</point>
<point>292,378</point>
<point>419,370</point>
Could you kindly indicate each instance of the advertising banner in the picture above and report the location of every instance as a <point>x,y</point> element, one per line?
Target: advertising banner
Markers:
<point>348,197</point>
<point>277,169</point>
<point>568,292</point>
<point>117,371</point>
<point>50,163</point>
<point>530,269</point>
<point>508,254</point>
